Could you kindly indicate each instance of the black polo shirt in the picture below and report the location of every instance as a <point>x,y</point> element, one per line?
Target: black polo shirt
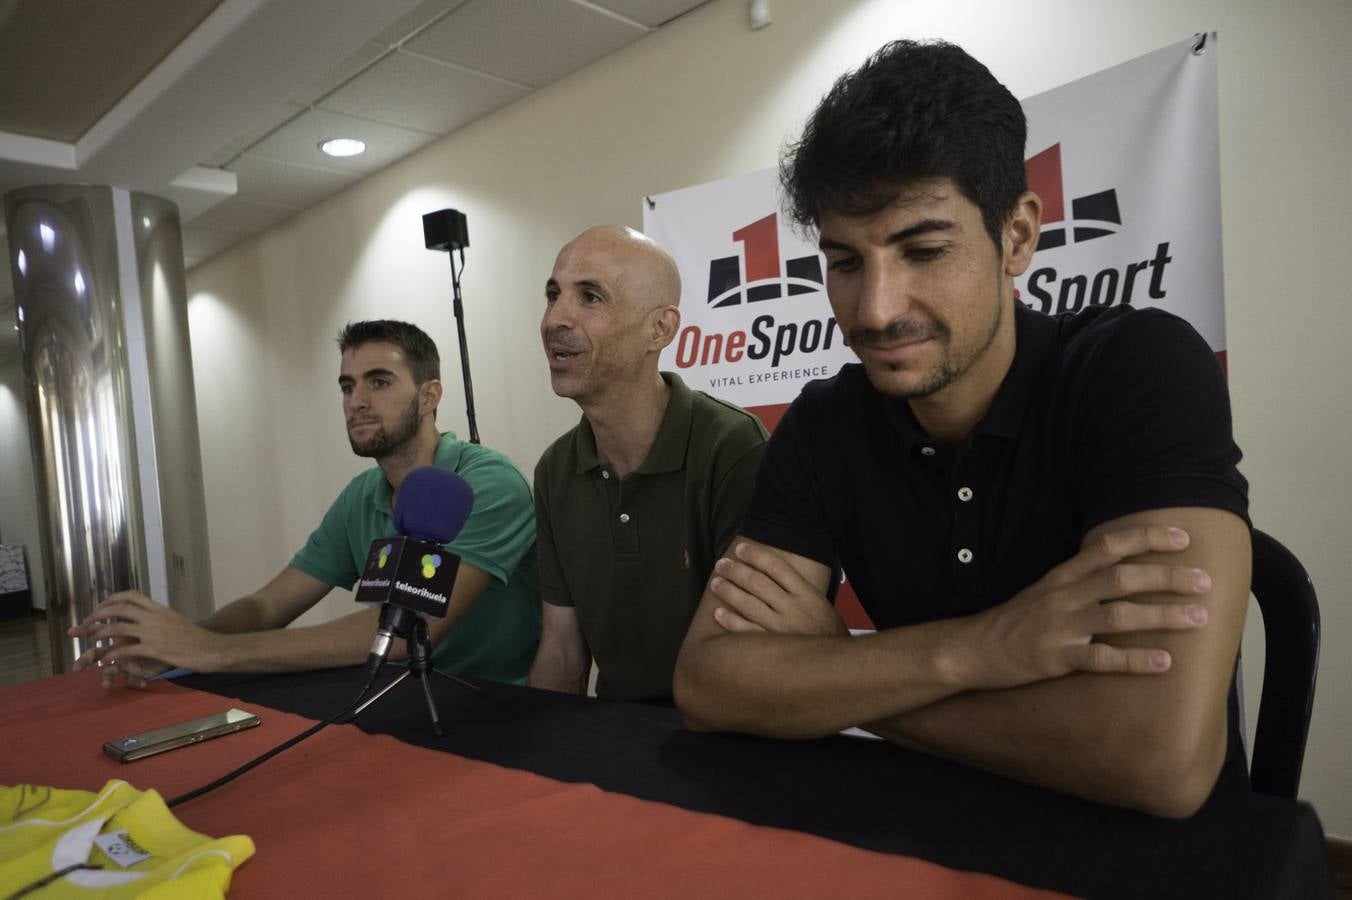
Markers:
<point>1103,413</point>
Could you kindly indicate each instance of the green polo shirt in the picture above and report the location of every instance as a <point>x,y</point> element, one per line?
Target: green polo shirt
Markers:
<point>496,638</point>
<point>633,555</point>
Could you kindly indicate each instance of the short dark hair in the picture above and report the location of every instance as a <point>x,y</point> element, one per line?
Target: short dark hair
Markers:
<point>418,348</point>
<point>912,111</point>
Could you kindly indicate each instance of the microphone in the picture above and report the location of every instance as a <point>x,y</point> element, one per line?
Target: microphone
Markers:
<point>411,574</point>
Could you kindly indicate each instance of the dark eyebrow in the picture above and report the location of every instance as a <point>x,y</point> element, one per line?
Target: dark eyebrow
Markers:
<point>920,227</point>
<point>369,373</point>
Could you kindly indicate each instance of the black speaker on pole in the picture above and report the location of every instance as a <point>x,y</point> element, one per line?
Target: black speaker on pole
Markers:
<point>448,231</point>
<point>445,229</point>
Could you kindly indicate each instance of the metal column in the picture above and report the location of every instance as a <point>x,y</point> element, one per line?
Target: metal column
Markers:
<point>101,303</point>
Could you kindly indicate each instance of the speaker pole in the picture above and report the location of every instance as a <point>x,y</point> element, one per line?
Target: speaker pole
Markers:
<point>447,230</point>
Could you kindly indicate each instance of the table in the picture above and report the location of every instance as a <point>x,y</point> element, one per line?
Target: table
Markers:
<point>533,793</point>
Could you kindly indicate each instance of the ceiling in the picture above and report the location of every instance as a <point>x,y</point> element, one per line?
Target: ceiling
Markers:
<point>220,105</point>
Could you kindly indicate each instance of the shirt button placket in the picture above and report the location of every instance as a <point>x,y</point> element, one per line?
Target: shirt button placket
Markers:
<point>624,535</point>
<point>967,525</point>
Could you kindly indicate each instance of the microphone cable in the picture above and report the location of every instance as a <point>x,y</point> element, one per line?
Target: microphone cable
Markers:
<point>285,745</point>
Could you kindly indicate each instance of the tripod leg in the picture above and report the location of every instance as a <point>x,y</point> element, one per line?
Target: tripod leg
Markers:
<point>380,693</point>
<point>431,704</point>
<point>460,681</point>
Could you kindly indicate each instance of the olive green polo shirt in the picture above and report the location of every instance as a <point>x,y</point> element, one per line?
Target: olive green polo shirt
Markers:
<point>632,555</point>
<point>497,636</point>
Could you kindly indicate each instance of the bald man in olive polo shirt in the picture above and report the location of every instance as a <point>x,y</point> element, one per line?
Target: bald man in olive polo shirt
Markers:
<point>637,502</point>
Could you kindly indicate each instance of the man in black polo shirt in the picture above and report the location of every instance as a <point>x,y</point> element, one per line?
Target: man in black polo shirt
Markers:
<point>1041,514</point>
<point>634,504</point>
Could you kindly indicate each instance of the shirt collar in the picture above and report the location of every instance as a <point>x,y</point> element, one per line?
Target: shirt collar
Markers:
<point>667,453</point>
<point>446,457</point>
<point>1035,337</point>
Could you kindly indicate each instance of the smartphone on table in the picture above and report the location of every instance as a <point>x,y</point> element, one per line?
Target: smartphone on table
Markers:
<point>182,734</point>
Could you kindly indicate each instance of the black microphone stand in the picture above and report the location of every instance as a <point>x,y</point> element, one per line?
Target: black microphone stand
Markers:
<point>413,629</point>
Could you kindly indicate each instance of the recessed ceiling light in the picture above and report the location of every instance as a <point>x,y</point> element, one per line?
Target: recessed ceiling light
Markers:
<point>343,146</point>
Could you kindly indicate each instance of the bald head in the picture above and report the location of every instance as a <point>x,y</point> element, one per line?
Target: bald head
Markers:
<point>644,271</point>
<point>611,308</point>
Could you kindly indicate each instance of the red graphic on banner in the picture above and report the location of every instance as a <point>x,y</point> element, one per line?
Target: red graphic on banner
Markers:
<point>1044,179</point>
<point>1093,215</point>
<point>760,260</point>
<point>761,240</point>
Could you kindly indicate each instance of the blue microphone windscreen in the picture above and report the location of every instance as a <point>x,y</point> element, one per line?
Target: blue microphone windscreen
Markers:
<point>433,505</point>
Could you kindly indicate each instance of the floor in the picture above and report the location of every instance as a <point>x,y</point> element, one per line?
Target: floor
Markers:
<point>25,649</point>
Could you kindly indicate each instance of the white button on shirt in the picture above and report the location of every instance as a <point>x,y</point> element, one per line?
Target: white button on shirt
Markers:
<point>964,555</point>
<point>605,473</point>
<point>964,494</point>
<point>926,451</point>
<point>624,518</point>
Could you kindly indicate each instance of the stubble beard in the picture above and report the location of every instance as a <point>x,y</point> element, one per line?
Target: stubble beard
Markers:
<point>948,370</point>
<point>385,443</point>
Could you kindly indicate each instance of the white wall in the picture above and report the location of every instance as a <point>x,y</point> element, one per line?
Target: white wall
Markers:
<point>18,491</point>
<point>705,98</point>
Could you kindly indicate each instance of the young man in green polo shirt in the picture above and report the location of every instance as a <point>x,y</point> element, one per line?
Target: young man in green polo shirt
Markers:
<point>637,502</point>
<point>390,381</point>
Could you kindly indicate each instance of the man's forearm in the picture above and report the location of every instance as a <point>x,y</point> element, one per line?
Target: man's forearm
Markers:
<point>555,671</point>
<point>342,642</point>
<point>1153,742</point>
<point>1079,734</point>
<point>250,613</point>
<point>1099,679</point>
<point>808,685</point>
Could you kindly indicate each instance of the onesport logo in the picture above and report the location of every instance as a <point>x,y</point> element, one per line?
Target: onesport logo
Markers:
<point>1092,216</point>
<point>1129,277</point>
<point>767,277</point>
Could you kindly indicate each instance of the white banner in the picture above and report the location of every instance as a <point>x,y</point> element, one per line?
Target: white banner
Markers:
<point>1126,163</point>
<point>755,324</point>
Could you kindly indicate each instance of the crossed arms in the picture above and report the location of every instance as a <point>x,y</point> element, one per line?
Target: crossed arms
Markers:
<point>1105,679</point>
<point>248,635</point>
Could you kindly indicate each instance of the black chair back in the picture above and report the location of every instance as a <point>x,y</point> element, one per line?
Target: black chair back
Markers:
<point>1290,612</point>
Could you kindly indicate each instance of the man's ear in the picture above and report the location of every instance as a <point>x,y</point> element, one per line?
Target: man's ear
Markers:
<point>1021,233</point>
<point>665,322</point>
<point>429,396</point>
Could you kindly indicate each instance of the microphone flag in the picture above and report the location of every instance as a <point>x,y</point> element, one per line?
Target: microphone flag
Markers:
<point>413,570</point>
<point>402,571</point>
